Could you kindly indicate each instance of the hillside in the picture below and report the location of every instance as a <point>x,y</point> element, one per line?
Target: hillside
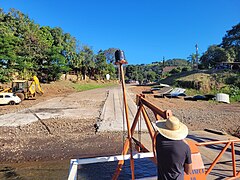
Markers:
<point>207,82</point>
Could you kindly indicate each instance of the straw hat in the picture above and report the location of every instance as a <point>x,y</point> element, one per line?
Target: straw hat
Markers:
<point>172,128</point>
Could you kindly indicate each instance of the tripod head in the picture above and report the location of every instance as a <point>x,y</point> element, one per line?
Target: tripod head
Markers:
<point>120,57</point>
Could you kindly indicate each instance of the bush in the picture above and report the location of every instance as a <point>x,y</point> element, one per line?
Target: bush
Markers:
<point>233,79</point>
<point>175,71</point>
<point>233,91</point>
<point>184,69</point>
<point>5,75</point>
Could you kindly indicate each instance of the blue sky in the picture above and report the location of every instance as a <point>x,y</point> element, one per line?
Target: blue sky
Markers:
<point>146,30</point>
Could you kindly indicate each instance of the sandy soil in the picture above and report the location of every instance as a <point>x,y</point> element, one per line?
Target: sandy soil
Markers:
<point>69,138</point>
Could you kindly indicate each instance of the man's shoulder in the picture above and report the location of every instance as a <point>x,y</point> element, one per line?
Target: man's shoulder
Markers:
<point>180,145</point>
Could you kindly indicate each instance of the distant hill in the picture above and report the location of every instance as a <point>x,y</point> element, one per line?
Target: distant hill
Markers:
<point>206,81</point>
<point>176,62</point>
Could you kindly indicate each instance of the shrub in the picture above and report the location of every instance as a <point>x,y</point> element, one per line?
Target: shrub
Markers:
<point>233,79</point>
<point>175,71</point>
<point>233,91</point>
<point>184,69</point>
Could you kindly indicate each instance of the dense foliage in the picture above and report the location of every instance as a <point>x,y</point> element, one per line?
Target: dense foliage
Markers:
<point>154,72</point>
<point>227,51</point>
<point>27,48</point>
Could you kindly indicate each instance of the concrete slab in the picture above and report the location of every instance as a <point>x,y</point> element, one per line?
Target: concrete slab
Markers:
<point>113,113</point>
<point>73,106</point>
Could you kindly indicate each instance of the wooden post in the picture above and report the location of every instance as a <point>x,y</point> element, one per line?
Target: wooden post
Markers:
<point>127,119</point>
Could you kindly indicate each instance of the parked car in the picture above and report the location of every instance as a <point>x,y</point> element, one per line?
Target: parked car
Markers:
<point>9,98</point>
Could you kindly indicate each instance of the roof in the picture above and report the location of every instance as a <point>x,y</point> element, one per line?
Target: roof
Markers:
<point>18,81</point>
<point>168,69</point>
<point>6,93</point>
<point>230,62</point>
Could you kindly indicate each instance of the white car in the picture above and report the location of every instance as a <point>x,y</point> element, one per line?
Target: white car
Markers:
<point>9,98</point>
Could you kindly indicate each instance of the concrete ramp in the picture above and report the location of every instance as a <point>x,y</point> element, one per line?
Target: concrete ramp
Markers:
<point>113,113</point>
<point>80,105</point>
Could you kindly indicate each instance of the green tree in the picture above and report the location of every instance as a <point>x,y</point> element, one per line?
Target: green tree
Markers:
<point>231,42</point>
<point>8,40</point>
<point>151,76</point>
<point>192,59</point>
<point>111,70</point>
<point>132,72</point>
<point>101,64</point>
<point>87,59</point>
<point>110,54</point>
<point>214,55</point>
<point>69,47</point>
<point>140,78</point>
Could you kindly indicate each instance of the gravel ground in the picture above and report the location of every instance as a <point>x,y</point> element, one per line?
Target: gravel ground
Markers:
<point>59,138</point>
<point>198,115</point>
<point>67,138</point>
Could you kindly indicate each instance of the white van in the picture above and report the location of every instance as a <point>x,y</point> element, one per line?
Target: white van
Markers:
<point>9,98</point>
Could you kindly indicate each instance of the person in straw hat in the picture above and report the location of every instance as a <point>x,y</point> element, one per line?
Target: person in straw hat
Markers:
<point>173,152</point>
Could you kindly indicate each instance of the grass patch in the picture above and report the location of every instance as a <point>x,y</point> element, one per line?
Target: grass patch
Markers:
<point>192,92</point>
<point>232,91</point>
<point>92,85</point>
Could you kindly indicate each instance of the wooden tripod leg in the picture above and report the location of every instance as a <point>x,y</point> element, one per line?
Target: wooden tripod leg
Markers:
<point>131,157</point>
<point>148,123</point>
<point>127,143</point>
<point>121,162</point>
<point>151,132</point>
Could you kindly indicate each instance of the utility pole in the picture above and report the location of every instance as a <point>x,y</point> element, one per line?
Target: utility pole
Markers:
<point>163,61</point>
<point>196,46</point>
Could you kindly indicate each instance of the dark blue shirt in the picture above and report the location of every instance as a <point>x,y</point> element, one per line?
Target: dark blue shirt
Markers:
<point>171,157</point>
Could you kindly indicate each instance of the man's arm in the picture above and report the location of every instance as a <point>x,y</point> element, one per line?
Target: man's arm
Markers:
<point>188,162</point>
<point>188,168</point>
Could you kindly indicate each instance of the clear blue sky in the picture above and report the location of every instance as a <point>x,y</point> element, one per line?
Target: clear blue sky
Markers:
<point>146,30</point>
